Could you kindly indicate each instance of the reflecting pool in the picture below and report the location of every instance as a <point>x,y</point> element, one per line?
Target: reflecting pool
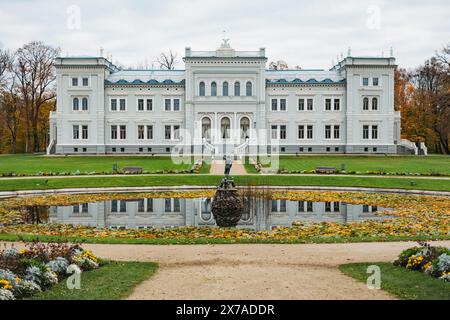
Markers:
<point>259,214</point>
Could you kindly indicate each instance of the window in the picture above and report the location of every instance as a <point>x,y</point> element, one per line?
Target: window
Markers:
<point>301,104</point>
<point>84,104</point>
<point>74,82</point>
<point>141,205</point>
<point>274,132</point>
<point>225,89</point>
<point>282,205</point>
<point>375,82</point>
<point>248,89</point>
<point>140,104</point>
<point>167,132</point>
<point>301,206</point>
<point>283,105</point>
<point>309,206</point>
<point>85,208</point>
<point>123,132</point>
<point>336,206</point>
<point>149,205</point>
<point>327,104</point>
<point>225,127</point>
<point>274,104</point>
<point>84,132</point>
<point>176,205</point>
<point>366,103</point>
<point>140,132</point>
<point>114,132</point>
<point>337,104</point>
<point>337,133</point>
<point>176,132</point>
<point>123,206</point>
<point>237,89</point>
<point>365,132</point>
<point>301,132</point>
<point>283,132</point>
<point>85,82</point>
<point>374,104</point>
<point>167,205</point>
<point>76,209</point>
<point>150,132</point>
<point>274,206</point>
<point>201,89</point>
<point>167,104</point>
<point>327,132</point>
<point>310,104</point>
<point>365,82</point>
<point>76,132</point>
<point>114,205</point>
<point>122,105</point>
<point>149,104</point>
<point>327,206</point>
<point>309,132</point>
<point>113,104</point>
<point>176,105</point>
<point>76,104</point>
<point>374,132</point>
<point>206,128</point>
<point>213,89</point>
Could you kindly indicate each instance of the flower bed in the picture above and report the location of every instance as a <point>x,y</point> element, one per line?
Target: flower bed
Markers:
<point>434,261</point>
<point>40,266</point>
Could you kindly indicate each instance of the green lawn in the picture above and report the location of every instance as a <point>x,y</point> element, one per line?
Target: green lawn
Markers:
<point>112,281</point>
<point>209,180</point>
<point>33,164</point>
<point>435,164</point>
<point>401,282</point>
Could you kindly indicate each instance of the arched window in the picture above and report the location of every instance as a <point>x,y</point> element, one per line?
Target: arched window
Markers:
<point>84,104</point>
<point>76,104</point>
<point>214,89</point>
<point>201,89</point>
<point>366,103</point>
<point>225,128</point>
<point>245,126</point>
<point>237,89</point>
<point>248,89</point>
<point>225,89</point>
<point>374,104</point>
<point>206,210</point>
<point>206,128</point>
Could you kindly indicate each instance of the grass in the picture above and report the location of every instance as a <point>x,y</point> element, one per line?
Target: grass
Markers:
<point>435,164</point>
<point>199,241</point>
<point>33,164</point>
<point>112,281</point>
<point>210,180</point>
<point>401,282</point>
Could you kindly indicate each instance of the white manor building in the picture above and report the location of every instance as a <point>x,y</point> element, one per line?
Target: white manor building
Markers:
<point>225,101</point>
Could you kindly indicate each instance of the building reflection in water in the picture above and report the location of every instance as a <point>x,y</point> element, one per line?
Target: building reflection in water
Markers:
<point>258,215</point>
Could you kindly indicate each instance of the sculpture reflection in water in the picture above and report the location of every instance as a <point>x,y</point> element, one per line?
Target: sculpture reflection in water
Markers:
<point>227,205</point>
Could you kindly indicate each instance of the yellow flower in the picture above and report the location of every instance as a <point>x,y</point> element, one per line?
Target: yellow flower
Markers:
<point>6,284</point>
<point>23,251</point>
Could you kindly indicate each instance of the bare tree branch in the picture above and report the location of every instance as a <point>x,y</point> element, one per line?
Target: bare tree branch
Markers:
<point>167,60</point>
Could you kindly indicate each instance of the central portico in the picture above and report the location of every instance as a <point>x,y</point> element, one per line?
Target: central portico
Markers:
<point>225,95</point>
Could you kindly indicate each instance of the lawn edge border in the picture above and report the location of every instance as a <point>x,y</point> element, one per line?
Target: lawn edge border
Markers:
<point>9,194</point>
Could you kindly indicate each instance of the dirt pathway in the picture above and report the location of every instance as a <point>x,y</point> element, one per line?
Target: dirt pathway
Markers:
<point>255,271</point>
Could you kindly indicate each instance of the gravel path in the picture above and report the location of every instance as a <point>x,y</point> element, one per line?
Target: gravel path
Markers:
<point>304,271</point>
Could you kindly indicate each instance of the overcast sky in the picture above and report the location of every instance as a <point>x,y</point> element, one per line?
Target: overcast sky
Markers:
<point>306,33</point>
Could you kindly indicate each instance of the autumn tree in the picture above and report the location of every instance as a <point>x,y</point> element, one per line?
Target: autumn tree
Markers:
<point>33,68</point>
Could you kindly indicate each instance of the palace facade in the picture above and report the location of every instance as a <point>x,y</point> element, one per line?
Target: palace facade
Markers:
<point>225,101</point>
